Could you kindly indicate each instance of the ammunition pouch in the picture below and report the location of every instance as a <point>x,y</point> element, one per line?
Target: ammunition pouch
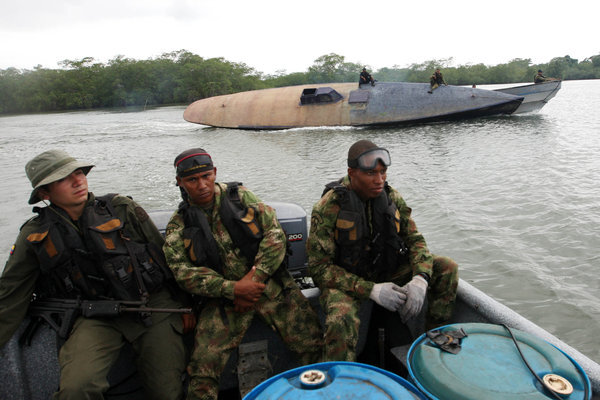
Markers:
<point>119,272</point>
<point>198,240</point>
<point>349,237</point>
<point>107,237</point>
<point>368,255</point>
<point>70,274</point>
<point>100,262</point>
<point>241,223</point>
<point>50,248</point>
<point>149,266</point>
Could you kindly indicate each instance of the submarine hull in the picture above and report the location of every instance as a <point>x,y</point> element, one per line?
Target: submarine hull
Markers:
<point>347,104</point>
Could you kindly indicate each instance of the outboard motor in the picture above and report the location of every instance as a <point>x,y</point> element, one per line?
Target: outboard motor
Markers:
<point>292,218</point>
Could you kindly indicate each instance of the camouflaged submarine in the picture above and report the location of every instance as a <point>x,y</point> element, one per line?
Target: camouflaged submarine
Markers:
<point>347,104</point>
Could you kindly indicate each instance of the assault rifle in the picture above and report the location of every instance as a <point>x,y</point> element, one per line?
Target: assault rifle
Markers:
<point>61,314</point>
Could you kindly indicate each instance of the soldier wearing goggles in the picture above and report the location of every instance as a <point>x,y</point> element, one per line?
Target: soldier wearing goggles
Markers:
<point>363,244</point>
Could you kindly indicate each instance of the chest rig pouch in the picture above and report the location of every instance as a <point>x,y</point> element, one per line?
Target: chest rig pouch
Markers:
<point>132,268</point>
<point>198,239</point>
<point>65,264</point>
<point>351,230</point>
<point>240,222</point>
<point>95,258</point>
<point>369,252</point>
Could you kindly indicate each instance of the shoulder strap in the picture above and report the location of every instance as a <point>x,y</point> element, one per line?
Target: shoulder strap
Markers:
<point>233,193</point>
<point>195,219</point>
<point>240,222</point>
<point>107,197</point>
<point>106,201</point>
<point>337,186</point>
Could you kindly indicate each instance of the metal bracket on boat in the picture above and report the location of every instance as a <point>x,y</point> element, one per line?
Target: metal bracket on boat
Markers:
<point>253,365</point>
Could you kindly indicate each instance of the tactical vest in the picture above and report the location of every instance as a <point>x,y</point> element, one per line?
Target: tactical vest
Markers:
<point>240,222</point>
<point>371,252</point>
<point>94,259</point>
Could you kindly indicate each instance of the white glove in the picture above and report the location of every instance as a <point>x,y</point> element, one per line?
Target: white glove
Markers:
<point>415,291</point>
<point>388,295</point>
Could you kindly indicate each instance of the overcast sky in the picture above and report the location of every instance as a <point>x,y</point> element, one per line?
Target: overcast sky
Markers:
<point>284,35</point>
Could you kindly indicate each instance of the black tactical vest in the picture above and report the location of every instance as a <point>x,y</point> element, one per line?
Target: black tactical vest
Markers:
<point>93,258</point>
<point>371,252</point>
<point>240,222</point>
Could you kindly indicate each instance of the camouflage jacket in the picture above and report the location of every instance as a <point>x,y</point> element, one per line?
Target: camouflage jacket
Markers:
<point>321,246</point>
<point>437,78</point>
<point>205,281</point>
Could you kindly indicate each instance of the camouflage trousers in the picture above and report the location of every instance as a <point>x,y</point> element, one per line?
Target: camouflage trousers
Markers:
<point>220,330</point>
<point>342,321</point>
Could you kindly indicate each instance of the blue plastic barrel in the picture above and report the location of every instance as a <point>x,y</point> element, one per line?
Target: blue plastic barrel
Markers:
<point>335,380</point>
<point>489,366</point>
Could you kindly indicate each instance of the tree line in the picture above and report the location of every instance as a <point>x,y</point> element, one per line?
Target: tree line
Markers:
<point>182,77</point>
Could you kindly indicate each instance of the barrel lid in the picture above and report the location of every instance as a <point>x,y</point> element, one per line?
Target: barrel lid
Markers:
<point>489,366</point>
<point>335,380</point>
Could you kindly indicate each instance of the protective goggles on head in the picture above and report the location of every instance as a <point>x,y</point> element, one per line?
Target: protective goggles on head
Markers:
<point>193,163</point>
<point>368,159</point>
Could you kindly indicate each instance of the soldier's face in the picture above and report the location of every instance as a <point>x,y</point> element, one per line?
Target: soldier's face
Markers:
<point>200,186</point>
<point>368,184</point>
<point>68,192</point>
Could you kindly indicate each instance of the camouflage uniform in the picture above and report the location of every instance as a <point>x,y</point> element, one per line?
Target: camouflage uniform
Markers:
<point>435,80</point>
<point>343,292</point>
<point>94,344</point>
<point>220,329</point>
<point>539,78</point>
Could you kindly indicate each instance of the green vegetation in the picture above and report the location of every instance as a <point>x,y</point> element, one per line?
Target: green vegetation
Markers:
<point>181,77</point>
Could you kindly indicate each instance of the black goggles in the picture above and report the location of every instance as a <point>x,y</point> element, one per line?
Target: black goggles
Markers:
<point>194,163</point>
<point>368,160</point>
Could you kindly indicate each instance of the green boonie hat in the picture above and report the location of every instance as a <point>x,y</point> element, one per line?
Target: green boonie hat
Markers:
<point>51,166</point>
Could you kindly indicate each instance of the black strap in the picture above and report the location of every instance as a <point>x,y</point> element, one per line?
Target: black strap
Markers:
<point>195,217</point>
<point>231,212</point>
<point>556,396</point>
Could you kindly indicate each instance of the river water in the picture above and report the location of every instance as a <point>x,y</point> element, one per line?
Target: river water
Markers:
<point>513,199</point>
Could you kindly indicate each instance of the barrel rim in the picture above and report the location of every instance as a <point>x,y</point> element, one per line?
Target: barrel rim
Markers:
<point>412,376</point>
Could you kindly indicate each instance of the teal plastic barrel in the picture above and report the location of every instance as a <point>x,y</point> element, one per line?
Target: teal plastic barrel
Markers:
<point>335,380</point>
<point>489,367</point>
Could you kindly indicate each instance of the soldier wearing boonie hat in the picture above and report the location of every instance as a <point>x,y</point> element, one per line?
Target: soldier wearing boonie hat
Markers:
<point>51,166</point>
<point>64,252</point>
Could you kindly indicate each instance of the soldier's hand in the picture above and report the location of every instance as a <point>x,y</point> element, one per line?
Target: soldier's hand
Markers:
<point>416,290</point>
<point>247,289</point>
<point>388,295</point>
<point>189,322</point>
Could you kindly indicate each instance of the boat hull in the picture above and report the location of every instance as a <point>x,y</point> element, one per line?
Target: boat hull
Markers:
<point>535,96</point>
<point>386,103</point>
<point>32,372</point>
